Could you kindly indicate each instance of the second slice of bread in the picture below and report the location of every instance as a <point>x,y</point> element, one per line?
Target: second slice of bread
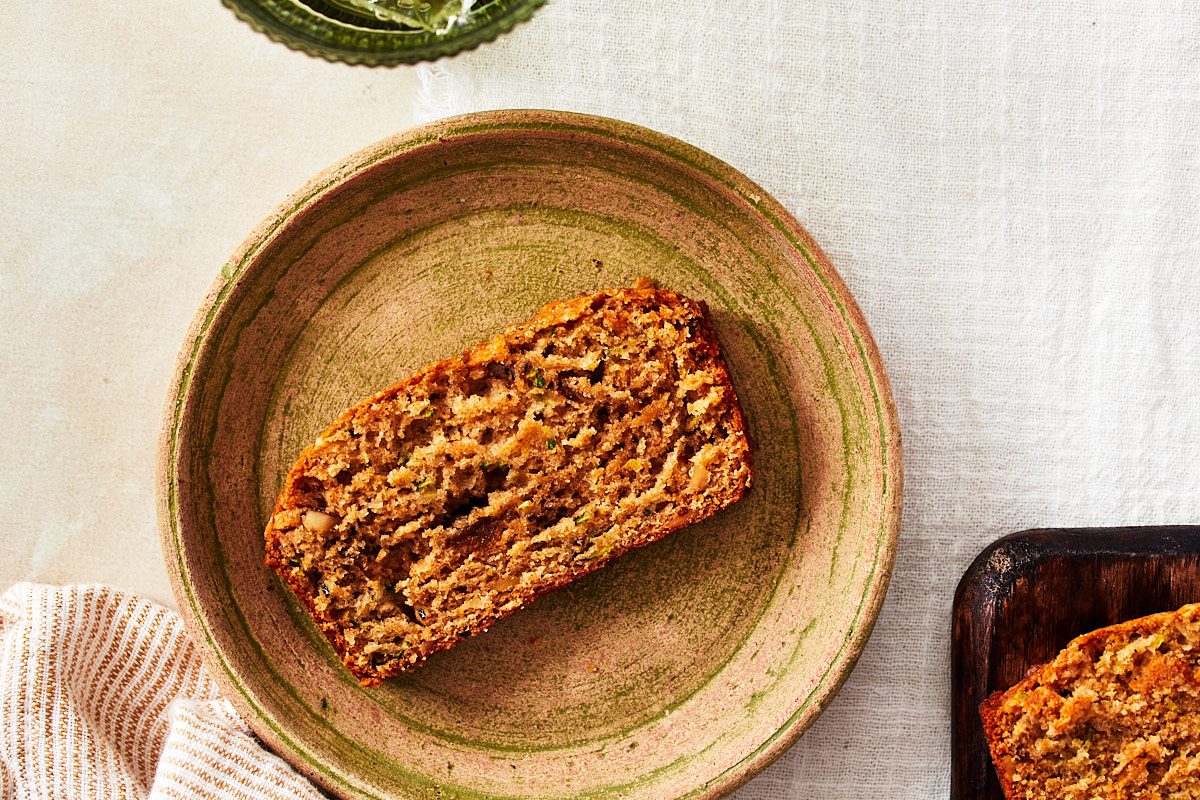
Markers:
<point>1115,715</point>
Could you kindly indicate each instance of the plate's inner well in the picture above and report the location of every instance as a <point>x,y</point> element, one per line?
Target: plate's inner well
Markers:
<point>657,675</point>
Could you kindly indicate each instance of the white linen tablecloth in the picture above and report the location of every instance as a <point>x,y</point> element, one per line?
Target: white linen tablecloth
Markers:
<point>1010,189</point>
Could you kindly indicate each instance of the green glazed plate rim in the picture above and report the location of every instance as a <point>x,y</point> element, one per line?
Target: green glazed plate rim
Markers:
<point>301,27</point>
<point>198,344</point>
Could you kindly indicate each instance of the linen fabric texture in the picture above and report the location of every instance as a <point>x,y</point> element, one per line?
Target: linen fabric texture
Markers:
<point>103,696</point>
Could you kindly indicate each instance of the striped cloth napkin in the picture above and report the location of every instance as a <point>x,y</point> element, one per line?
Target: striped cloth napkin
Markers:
<point>102,695</point>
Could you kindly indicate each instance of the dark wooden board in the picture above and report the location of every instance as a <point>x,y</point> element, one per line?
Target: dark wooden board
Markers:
<point>1030,593</point>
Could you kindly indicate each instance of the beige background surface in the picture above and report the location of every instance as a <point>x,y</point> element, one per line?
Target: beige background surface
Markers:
<point>137,150</point>
<point>1011,190</point>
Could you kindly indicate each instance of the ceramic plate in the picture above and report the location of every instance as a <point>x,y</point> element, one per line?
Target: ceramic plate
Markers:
<point>340,31</point>
<point>680,670</point>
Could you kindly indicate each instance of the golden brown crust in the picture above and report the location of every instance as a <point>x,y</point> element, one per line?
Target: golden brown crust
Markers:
<point>989,712</point>
<point>294,495</point>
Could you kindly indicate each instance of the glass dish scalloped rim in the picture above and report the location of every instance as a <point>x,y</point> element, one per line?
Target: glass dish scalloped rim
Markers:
<point>300,27</point>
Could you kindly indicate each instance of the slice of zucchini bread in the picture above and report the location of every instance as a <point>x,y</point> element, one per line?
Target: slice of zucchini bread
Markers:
<point>431,510</point>
<point>1114,715</point>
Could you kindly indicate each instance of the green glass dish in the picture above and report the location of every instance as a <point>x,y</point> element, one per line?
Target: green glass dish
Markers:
<point>339,31</point>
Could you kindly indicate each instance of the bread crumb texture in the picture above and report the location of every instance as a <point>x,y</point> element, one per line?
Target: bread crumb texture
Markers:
<point>1116,715</point>
<point>452,499</point>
